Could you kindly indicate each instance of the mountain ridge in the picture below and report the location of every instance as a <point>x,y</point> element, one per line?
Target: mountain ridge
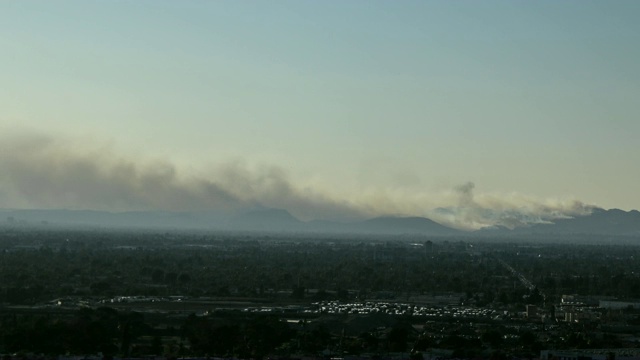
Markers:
<point>598,222</point>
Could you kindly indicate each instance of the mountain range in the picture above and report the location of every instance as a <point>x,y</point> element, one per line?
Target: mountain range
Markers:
<point>599,222</point>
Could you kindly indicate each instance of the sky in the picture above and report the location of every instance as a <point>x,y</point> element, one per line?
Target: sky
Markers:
<point>330,109</point>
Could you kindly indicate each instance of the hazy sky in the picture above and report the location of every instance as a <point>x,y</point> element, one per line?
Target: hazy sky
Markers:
<point>387,106</point>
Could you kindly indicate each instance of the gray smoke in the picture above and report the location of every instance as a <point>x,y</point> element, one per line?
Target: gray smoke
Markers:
<point>475,212</point>
<point>44,172</point>
<point>465,191</point>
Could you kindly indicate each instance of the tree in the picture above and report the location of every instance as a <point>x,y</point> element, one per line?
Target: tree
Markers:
<point>493,337</point>
<point>397,338</point>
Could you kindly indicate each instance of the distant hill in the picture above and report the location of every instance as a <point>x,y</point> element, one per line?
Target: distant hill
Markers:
<point>92,218</point>
<point>612,222</point>
<point>255,220</point>
<point>599,222</point>
<point>403,225</point>
<point>271,220</point>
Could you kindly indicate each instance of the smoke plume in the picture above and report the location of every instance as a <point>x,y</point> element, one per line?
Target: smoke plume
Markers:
<point>510,211</point>
<point>44,172</point>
